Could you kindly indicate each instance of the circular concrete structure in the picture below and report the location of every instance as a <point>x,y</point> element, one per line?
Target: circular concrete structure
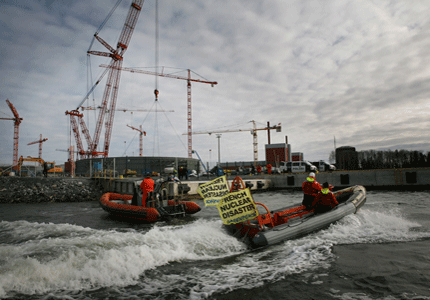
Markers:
<point>140,164</point>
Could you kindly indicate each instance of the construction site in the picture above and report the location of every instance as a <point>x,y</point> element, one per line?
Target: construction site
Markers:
<point>88,155</point>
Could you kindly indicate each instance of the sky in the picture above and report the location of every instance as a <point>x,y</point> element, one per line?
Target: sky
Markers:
<point>339,72</point>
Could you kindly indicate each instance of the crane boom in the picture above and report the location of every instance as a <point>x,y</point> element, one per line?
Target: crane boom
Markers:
<point>40,141</point>
<point>142,133</point>
<point>108,107</point>
<point>134,70</point>
<point>17,120</point>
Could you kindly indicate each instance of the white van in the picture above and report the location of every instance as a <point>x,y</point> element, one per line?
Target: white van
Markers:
<point>297,167</point>
<point>323,166</point>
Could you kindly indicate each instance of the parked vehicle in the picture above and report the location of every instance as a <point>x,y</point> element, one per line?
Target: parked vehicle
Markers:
<point>297,167</point>
<point>323,166</point>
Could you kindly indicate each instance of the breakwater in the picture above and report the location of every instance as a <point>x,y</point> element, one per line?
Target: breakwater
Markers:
<point>51,189</point>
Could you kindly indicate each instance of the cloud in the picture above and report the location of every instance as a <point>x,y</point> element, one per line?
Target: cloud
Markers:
<point>352,69</point>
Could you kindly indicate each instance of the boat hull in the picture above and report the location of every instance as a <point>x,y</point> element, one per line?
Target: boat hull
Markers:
<point>119,205</point>
<point>352,199</point>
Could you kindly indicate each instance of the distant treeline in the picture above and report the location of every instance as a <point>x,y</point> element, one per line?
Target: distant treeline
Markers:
<point>387,159</point>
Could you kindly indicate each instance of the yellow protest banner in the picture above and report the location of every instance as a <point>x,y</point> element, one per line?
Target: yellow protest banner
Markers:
<point>214,190</point>
<point>237,207</point>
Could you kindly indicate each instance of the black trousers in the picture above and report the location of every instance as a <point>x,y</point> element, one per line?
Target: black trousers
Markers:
<point>307,201</point>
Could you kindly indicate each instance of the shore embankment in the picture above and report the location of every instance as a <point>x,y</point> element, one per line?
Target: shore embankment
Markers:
<point>50,189</point>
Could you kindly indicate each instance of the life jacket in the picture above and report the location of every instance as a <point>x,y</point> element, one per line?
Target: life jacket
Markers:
<point>311,187</point>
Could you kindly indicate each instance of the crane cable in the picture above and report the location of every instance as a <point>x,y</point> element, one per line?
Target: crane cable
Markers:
<point>156,50</point>
<point>89,68</point>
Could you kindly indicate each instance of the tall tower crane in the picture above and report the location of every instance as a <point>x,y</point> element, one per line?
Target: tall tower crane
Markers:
<point>142,133</point>
<point>253,132</point>
<point>17,120</point>
<point>112,84</point>
<point>188,79</point>
<point>40,142</point>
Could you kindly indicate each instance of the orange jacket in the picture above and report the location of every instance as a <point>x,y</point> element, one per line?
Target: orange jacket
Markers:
<point>147,185</point>
<point>325,199</point>
<point>311,187</point>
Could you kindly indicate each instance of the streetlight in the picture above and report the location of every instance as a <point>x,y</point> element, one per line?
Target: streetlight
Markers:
<point>218,136</point>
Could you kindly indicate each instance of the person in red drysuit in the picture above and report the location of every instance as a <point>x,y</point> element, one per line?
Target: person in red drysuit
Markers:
<point>325,200</point>
<point>310,189</point>
<point>259,169</point>
<point>269,169</point>
<point>146,186</point>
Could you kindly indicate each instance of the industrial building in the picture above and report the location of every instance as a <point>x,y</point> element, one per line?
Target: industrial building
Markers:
<point>139,164</point>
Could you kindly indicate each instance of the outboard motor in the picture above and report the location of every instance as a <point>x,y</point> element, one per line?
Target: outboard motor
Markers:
<point>137,195</point>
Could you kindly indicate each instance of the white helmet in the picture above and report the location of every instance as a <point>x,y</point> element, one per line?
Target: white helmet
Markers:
<point>312,174</point>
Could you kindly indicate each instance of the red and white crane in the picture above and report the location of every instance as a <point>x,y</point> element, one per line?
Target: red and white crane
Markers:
<point>142,133</point>
<point>188,79</point>
<point>17,120</point>
<point>107,112</point>
<point>40,142</point>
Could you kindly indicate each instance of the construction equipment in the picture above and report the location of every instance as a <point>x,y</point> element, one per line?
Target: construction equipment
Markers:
<point>17,120</point>
<point>112,84</point>
<point>188,79</point>
<point>40,141</point>
<point>51,164</point>
<point>253,132</point>
<point>142,133</point>
<point>194,151</point>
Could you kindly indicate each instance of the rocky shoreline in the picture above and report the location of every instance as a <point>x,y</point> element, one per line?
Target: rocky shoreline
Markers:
<point>51,189</point>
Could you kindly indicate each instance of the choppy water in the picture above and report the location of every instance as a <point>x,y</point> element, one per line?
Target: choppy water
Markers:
<point>76,251</point>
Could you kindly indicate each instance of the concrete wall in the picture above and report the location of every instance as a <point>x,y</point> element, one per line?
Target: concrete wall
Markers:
<point>390,178</point>
<point>125,186</point>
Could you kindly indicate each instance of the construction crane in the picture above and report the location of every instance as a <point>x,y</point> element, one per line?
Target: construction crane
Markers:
<point>70,166</point>
<point>253,132</point>
<point>126,109</point>
<point>40,142</point>
<point>142,133</point>
<point>85,131</point>
<point>188,79</point>
<point>17,120</point>
<point>112,84</point>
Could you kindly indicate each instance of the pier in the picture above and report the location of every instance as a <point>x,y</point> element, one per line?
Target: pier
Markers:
<point>407,179</point>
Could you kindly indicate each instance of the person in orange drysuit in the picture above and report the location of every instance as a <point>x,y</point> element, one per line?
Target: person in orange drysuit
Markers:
<point>325,200</point>
<point>269,169</point>
<point>310,189</point>
<point>146,186</point>
<point>258,169</point>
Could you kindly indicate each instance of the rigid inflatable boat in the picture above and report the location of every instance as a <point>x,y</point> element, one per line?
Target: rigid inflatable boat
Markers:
<point>291,222</point>
<point>158,206</point>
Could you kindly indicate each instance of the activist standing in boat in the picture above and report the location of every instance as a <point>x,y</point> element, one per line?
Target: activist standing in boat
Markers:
<point>310,189</point>
<point>325,200</point>
<point>146,186</point>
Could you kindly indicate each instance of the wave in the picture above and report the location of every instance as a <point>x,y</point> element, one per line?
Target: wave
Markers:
<point>43,257</point>
<point>40,258</point>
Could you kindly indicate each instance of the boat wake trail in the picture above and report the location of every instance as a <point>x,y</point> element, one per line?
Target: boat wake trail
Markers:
<point>194,261</point>
<point>37,258</point>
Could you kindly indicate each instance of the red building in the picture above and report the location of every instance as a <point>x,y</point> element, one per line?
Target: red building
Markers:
<point>275,153</point>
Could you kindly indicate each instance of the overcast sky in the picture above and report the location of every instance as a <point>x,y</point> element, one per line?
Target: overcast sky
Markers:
<point>357,70</point>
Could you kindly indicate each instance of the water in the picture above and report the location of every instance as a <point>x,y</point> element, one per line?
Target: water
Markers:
<point>77,251</point>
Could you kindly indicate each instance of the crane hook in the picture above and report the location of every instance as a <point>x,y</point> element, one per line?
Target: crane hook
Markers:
<point>156,94</point>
